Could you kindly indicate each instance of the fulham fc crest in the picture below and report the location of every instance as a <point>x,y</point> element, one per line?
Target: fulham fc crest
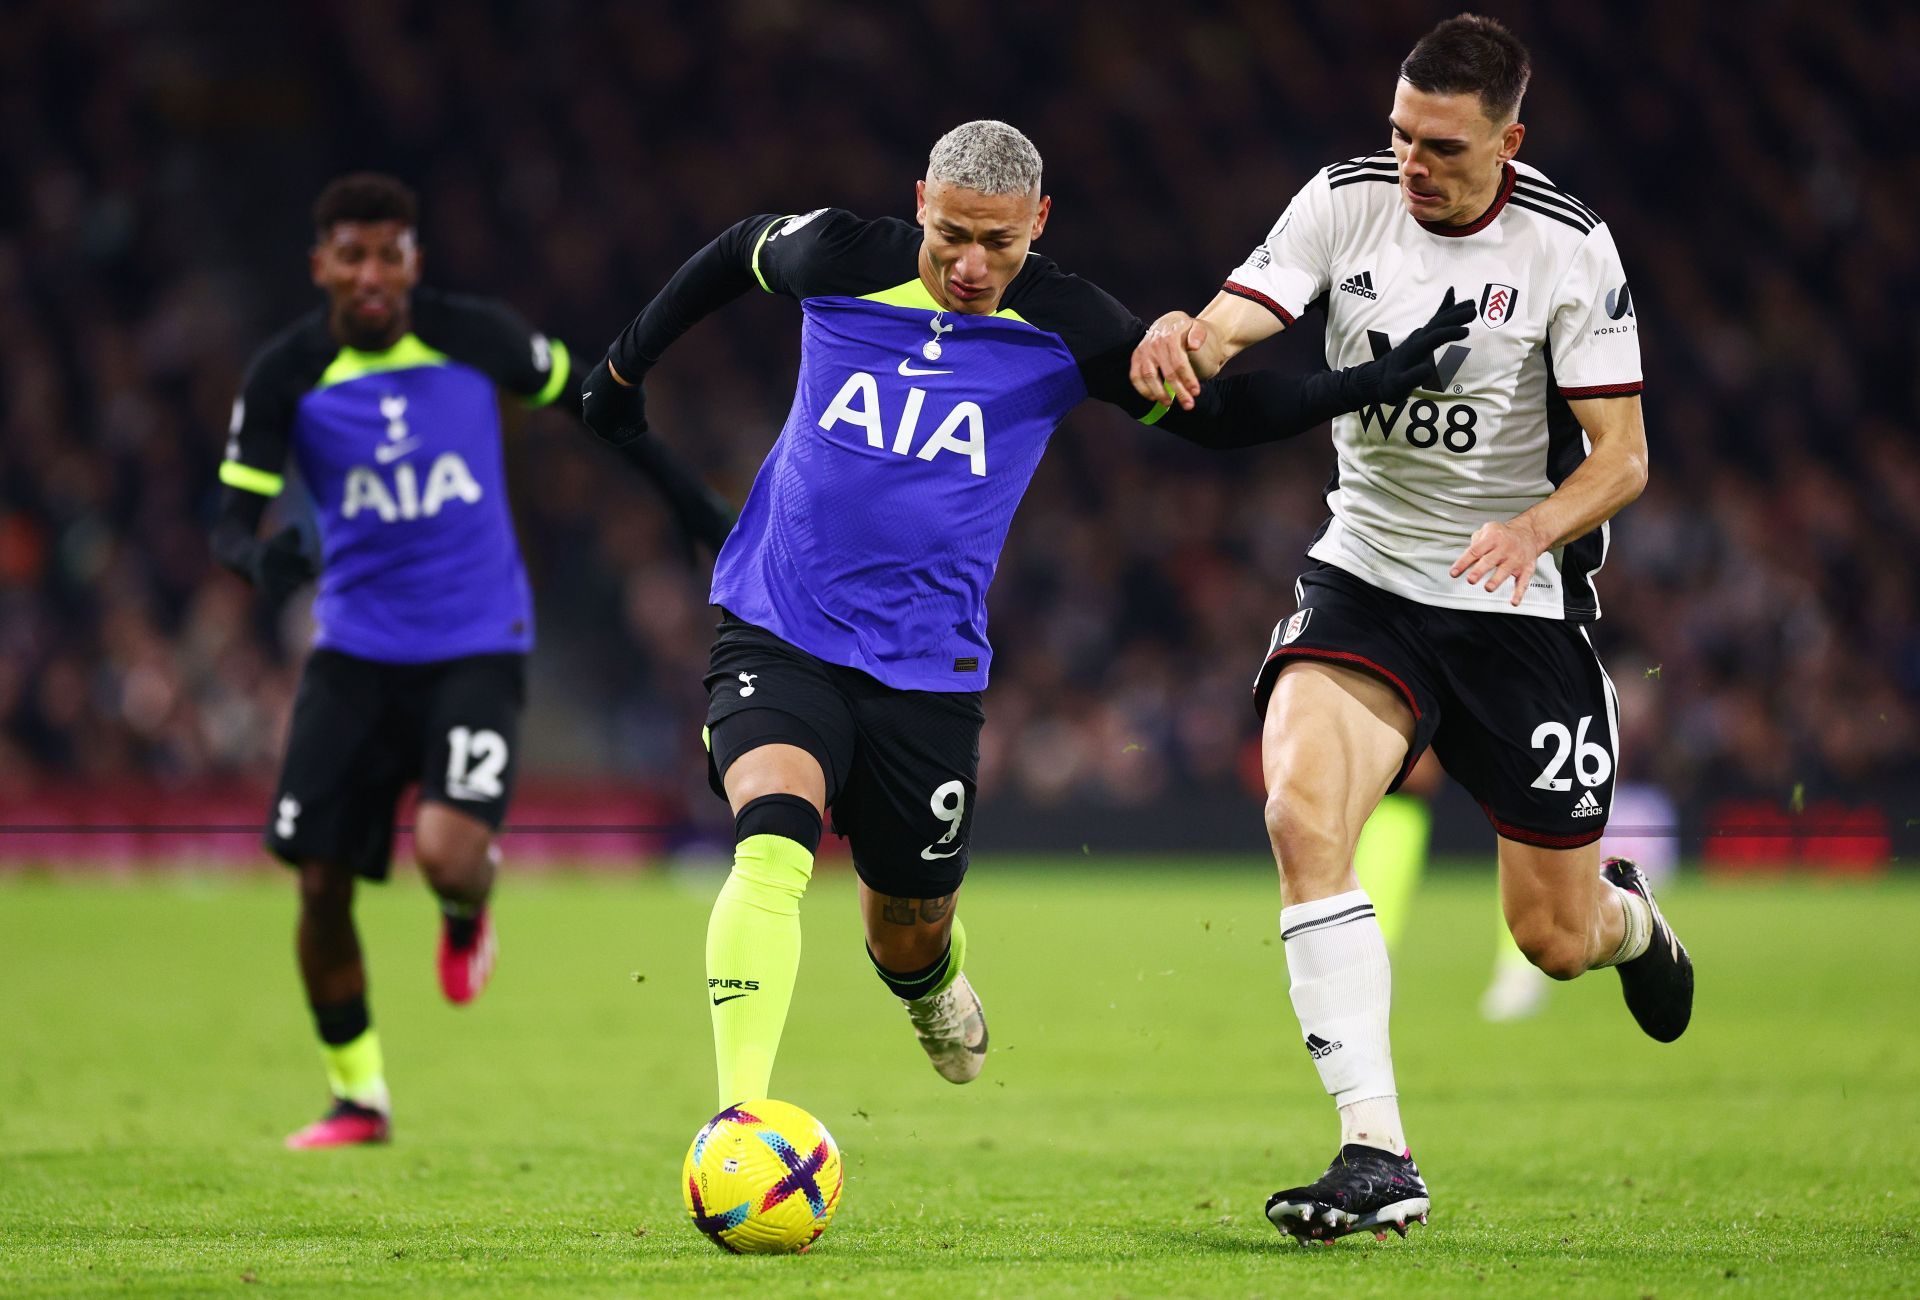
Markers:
<point>1295,626</point>
<point>1496,304</point>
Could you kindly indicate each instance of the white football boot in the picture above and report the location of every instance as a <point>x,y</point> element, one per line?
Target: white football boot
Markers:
<point>952,1027</point>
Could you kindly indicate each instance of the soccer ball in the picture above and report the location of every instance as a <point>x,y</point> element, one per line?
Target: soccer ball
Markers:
<point>762,1178</point>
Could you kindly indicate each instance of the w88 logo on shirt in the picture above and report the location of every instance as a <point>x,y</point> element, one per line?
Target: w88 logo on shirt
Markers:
<point>1429,423</point>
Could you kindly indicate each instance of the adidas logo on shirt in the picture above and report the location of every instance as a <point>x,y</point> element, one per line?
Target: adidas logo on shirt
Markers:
<point>1588,806</point>
<point>1361,284</point>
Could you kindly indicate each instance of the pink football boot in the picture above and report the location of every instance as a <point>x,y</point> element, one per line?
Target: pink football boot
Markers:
<point>346,1125</point>
<point>465,969</point>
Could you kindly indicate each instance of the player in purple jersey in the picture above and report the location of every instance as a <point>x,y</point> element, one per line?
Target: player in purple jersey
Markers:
<point>387,399</point>
<point>937,358</point>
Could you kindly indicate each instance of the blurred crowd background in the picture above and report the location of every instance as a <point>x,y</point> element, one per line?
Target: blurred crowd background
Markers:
<point>1760,603</point>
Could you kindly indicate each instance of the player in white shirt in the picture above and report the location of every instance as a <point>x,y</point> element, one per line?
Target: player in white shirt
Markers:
<point>1445,598</point>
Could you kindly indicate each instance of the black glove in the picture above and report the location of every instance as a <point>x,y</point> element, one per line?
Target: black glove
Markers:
<point>1394,377</point>
<point>616,412</point>
<point>280,565</point>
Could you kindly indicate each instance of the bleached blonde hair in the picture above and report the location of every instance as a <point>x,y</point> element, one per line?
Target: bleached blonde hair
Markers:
<point>988,156</point>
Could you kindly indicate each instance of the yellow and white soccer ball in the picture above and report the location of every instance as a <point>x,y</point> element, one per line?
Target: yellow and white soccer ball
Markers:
<point>762,1178</point>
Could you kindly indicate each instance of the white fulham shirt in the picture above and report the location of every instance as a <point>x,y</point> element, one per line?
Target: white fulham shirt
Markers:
<point>1556,321</point>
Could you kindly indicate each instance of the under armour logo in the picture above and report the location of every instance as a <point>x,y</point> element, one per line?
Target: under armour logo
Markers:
<point>289,811</point>
<point>931,348</point>
<point>746,684</point>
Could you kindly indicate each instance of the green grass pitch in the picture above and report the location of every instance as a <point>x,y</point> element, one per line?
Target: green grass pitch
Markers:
<point>1145,1092</point>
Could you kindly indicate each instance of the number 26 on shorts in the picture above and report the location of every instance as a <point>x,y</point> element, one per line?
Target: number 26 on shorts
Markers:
<point>1591,762</point>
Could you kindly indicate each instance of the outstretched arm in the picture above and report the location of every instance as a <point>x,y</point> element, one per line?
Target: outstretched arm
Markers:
<point>612,402</point>
<point>709,280</point>
<point>1267,405</point>
<point>617,413</point>
<point>1179,352</point>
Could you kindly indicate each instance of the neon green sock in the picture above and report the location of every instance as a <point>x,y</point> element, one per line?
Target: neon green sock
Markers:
<point>956,957</point>
<point>356,1071</point>
<point>1390,858</point>
<point>753,958</point>
<point>937,978</point>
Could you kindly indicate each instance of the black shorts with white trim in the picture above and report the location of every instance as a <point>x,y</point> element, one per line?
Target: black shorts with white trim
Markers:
<point>363,731</point>
<point>900,766</point>
<point>1517,708</point>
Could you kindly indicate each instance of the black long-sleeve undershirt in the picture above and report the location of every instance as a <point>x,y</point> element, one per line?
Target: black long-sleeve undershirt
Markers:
<point>706,282</point>
<point>1262,406</point>
<point>1243,410</point>
<point>236,526</point>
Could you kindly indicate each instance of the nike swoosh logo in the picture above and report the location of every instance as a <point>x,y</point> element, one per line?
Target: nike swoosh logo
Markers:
<point>910,371</point>
<point>730,997</point>
<point>387,453</point>
<point>931,856</point>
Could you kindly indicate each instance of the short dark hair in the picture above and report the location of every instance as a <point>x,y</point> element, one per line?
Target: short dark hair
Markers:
<point>364,196</point>
<point>1472,55</point>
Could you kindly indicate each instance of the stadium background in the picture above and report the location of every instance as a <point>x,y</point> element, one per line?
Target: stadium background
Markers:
<point>1760,601</point>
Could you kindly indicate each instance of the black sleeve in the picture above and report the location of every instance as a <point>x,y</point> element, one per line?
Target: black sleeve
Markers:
<point>708,281</point>
<point>235,535</point>
<point>1241,410</point>
<point>780,254</point>
<point>1263,406</point>
<point>260,432</point>
<point>493,339</point>
<point>701,513</point>
<point>254,468</point>
<point>259,439</point>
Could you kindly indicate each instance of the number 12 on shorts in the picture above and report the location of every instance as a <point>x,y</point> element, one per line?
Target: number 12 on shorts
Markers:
<point>1591,762</point>
<point>475,760</point>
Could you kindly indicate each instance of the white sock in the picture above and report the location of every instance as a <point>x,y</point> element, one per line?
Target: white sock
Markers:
<point>1342,991</point>
<point>1638,931</point>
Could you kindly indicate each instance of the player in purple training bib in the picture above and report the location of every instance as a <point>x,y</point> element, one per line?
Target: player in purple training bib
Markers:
<point>386,400</point>
<point>937,358</point>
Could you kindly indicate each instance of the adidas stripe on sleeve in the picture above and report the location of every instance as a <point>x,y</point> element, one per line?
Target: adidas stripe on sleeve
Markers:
<point>1289,268</point>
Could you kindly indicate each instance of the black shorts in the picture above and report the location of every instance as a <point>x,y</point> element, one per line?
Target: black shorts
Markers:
<point>1517,708</point>
<point>900,765</point>
<point>363,731</point>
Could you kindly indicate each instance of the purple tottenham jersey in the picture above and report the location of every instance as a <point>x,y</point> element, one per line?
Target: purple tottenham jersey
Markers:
<point>420,561</point>
<point>401,452</point>
<point>875,525</point>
